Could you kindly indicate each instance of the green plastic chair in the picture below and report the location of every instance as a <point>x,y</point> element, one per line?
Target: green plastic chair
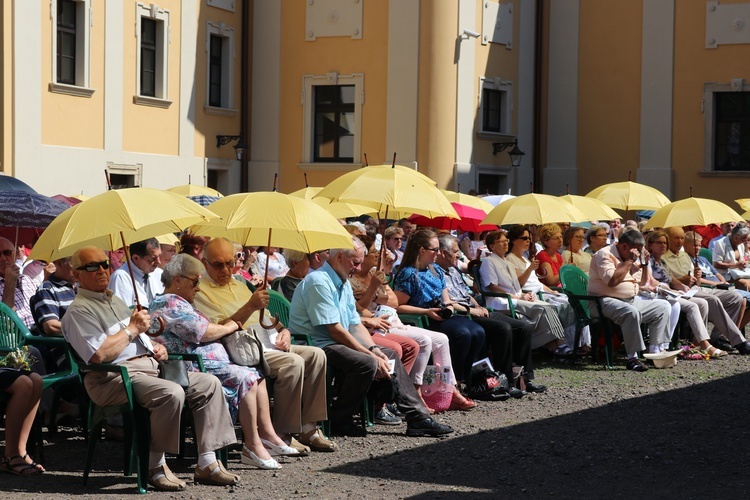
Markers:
<point>14,335</point>
<point>708,254</point>
<point>575,285</point>
<point>278,305</point>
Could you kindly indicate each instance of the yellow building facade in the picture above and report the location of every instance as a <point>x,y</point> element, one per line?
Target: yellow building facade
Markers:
<point>134,89</point>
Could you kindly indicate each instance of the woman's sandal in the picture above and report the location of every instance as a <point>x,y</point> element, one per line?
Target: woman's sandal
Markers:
<point>465,405</point>
<point>21,469</point>
<point>713,352</point>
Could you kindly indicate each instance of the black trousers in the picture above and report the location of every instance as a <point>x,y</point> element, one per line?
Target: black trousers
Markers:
<point>509,341</point>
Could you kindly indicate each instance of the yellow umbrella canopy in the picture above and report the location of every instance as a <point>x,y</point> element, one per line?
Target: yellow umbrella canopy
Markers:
<point>195,190</point>
<point>592,208</point>
<point>692,212</point>
<point>340,210</point>
<point>533,209</point>
<point>629,196</point>
<point>104,220</point>
<point>391,188</point>
<point>468,200</point>
<point>274,219</point>
<point>744,203</point>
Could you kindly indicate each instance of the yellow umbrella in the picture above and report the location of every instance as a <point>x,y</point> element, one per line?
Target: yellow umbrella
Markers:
<point>692,212</point>
<point>468,200</point>
<point>269,218</point>
<point>115,217</point>
<point>629,196</point>
<point>390,187</point>
<point>534,209</point>
<point>81,197</point>
<point>274,219</point>
<point>167,239</point>
<point>340,210</point>
<point>592,208</point>
<point>195,190</point>
<point>744,203</point>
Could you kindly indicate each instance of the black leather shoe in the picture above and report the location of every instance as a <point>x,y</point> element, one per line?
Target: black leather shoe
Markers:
<point>743,347</point>
<point>721,343</point>
<point>347,428</point>
<point>427,427</point>
<point>517,393</point>
<point>532,387</point>
<point>636,365</point>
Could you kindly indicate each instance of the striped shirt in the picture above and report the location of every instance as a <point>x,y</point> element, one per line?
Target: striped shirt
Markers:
<point>25,288</point>
<point>51,300</point>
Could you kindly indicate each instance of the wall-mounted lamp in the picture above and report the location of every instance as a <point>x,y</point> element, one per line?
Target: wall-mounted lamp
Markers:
<point>516,155</point>
<point>239,148</point>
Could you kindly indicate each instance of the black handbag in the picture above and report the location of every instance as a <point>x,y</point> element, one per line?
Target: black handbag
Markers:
<point>175,370</point>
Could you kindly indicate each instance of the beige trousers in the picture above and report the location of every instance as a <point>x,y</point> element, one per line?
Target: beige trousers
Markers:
<point>164,400</point>
<point>723,311</point>
<point>299,389</point>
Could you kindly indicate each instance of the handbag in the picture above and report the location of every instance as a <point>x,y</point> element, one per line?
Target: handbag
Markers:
<point>437,391</point>
<point>175,370</point>
<point>487,384</point>
<point>245,349</point>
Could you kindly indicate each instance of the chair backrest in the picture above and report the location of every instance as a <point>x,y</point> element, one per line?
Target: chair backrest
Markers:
<point>12,329</point>
<point>708,254</point>
<point>575,283</point>
<point>277,304</point>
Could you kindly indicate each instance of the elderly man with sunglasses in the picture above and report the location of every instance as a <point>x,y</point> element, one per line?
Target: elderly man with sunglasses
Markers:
<point>102,329</point>
<point>299,372</point>
<point>16,289</point>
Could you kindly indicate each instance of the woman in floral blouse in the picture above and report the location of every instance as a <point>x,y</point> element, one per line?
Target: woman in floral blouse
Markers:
<point>189,331</point>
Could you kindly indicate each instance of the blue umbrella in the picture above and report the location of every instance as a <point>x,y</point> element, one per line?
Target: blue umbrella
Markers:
<point>203,199</point>
<point>20,209</point>
<point>8,183</point>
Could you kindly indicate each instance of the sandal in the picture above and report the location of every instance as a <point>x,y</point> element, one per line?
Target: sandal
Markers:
<point>465,405</point>
<point>21,469</point>
<point>713,352</point>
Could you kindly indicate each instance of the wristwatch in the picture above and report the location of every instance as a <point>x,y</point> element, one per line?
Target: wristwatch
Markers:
<point>372,347</point>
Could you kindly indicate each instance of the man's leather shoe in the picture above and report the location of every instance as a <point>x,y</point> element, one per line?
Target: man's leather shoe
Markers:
<point>532,387</point>
<point>427,427</point>
<point>517,393</point>
<point>721,343</point>
<point>743,347</point>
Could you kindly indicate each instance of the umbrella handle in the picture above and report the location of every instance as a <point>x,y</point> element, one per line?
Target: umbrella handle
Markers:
<point>157,327</point>
<point>273,324</point>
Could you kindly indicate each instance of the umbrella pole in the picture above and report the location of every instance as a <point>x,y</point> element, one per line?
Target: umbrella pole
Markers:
<point>15,245</point>
<point>275,321</point>
<point>130,271</point>
<point>382,240</point>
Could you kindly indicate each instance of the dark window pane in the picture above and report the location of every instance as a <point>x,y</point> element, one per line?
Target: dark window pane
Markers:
<point>732,131</point>
<point>148,57</point>
<point>334,123</point>
<point>215,64</point>
<point>491,110</point>
<point>66,42</point>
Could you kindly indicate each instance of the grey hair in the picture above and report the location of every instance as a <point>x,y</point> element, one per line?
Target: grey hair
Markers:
<point>692,236</point>
<point>740,230</point>
<point>348,251</point>
<point>294,256</point>
<point>632,237</point>
<point>446,241</point>
<point>181,264</point>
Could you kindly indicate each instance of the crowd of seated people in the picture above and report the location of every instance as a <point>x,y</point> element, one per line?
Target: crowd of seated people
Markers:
<point>349,303</point>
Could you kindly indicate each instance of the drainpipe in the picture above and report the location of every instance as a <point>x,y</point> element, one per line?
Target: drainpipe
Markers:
<point>244,95</point>
<point>537,133</point>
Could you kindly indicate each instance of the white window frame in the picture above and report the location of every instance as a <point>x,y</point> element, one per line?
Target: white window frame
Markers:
<point>134,171</point>
<point>505,87</point>
<point>84,23</point>
<point>309,82</point>
<point>227,5</point>
<point>227,69</point>
<point>163,34</point>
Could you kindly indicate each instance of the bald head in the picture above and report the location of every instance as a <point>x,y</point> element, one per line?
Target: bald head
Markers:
<point>675,238</point>
<point>218,257</point>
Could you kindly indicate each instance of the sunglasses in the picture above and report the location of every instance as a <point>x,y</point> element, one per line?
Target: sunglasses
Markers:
<point>524,238</point>
<point>194,280</point>
<point>218,266</point>
<point>7,253</point>
<point>240,256</point>
<point>397,238</point>
<point>94,266</point>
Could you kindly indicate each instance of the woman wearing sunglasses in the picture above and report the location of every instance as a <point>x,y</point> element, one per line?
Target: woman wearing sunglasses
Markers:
<point>187,330</point>
<point>420,288</point>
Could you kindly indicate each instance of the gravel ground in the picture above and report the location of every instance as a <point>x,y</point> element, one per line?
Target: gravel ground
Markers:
<point>594,433</point>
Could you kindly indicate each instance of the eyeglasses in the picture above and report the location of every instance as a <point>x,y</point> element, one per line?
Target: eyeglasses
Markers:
<point>579,237</point>
<point>436,250</point>
<point>7,253</point>
<point>92,267</point>
<point>397,238</point>
<point>218,266</point>
<point>194,280</point>
<point>524,238</point>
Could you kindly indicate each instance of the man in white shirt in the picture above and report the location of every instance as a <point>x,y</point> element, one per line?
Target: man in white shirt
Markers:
<point>144,261</point>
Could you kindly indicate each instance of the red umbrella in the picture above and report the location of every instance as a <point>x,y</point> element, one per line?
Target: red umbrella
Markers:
<point>469,221</point>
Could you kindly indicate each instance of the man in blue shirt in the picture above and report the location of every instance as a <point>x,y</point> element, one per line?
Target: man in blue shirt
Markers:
<point>323,306</point>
